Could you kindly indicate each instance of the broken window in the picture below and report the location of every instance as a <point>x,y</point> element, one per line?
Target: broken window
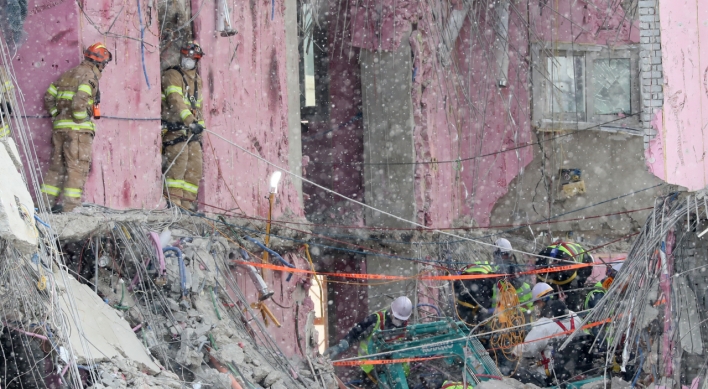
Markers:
<point>585,87</point>
<point>567,86</point>
<point>613,86</point>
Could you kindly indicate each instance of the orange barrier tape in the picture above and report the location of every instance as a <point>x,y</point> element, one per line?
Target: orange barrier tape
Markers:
<point>402,278</point>
<point>408,360</point>
<point>384,361</point>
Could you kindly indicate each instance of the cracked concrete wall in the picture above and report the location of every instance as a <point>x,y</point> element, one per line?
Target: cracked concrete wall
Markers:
<point>245,99</point>
<point>678,152</point>
<point>612,166</point>
<point>120,177</point>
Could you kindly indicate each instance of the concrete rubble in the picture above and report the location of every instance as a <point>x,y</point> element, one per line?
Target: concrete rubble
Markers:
<point>198,335</point>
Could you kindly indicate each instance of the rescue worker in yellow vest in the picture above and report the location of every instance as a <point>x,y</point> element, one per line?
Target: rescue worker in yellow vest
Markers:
<point>506,263</point>
<point>473,297</point>
<point>572,281</point>
<point>598,291</point>
<point>72,101</point>
<point>7,90</point>
<point>395,317</point>
<point>182,125</point>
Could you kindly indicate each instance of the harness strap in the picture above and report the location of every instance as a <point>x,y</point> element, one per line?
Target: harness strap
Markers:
<point>560,324</point>
<point>175,141</point>
<point>193,98</point>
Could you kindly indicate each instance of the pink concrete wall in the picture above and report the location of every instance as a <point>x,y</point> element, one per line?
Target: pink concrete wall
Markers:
<point>125,172</point>
<point>485,118</point>
<point>245,97</point>
<point>680,158</point>
<point>284,303</point>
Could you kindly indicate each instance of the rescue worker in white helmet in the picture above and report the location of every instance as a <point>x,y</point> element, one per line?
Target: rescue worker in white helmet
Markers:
<point>537,351</point>
<point>506,263</point>
<point>182,125</point>
<point>395,317</point>
<point>542,293</point>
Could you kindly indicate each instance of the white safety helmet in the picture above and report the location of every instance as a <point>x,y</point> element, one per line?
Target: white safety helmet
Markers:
<point>503,245</point>
<point>540,289</point>
<point>617,266</point>
<point>401,308</point>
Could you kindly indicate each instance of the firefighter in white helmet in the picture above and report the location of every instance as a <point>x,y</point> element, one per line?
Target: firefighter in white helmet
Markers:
<point>386,319</point>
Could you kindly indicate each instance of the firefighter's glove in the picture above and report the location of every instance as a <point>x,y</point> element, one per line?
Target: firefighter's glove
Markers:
<point>196,128</point>
<point>338,349</point>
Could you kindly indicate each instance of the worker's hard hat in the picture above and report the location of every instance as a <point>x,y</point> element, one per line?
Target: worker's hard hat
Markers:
<point>401,308</point>
<point>192,50</point>
<point>98,53</point>
<point>503,245</point>
<point>540,290</point>
<point>617,266</point>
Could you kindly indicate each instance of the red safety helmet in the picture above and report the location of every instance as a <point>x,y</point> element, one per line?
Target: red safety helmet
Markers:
<point>98,53</point>
<point>192,50</point>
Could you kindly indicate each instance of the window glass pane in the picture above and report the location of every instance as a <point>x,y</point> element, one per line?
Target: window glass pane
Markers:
<point>309,55</point>
<point>567,75</point>
<point>611,79</point>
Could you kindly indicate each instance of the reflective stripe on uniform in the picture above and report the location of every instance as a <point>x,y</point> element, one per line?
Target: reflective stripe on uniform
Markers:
<point>173,89</point>
<point>201,122</point>
<point>479,267</point>
<point>52,90</point>
<point>73,192</point>
<point>86,88</point>
<point>54,111</point>
<point>185,114</point>
<point>4,131</point>
<point>50,190</point>
<point>72,125</point>
<point>162,97</point>
<point>191,188</point>
<point>174,183</point>
<point>364,344</point>
<point>65,95</point>
<point>80,115</point>
<point>8,86</point>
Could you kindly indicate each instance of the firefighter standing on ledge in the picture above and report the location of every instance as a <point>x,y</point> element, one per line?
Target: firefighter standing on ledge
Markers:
<point>182,124</point>
<point>72,101</point>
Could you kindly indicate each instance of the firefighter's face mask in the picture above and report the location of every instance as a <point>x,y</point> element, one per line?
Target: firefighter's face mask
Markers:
<point>188,63</point>
<point>396,322</point>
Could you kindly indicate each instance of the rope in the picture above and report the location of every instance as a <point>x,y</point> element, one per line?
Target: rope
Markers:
<point>510,322</point>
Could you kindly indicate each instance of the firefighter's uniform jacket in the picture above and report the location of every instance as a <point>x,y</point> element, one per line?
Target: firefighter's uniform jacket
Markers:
<point>181,106</point>
<point>6,91</point>
<point>69,101</point>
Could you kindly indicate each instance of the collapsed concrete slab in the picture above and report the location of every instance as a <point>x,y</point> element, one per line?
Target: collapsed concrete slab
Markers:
<point>107,335</point>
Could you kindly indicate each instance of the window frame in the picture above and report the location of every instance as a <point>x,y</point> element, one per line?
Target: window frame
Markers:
<point>321,64</point>
<point>540,78</point>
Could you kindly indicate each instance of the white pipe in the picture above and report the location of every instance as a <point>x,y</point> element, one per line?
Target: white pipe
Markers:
<point>501,41</point>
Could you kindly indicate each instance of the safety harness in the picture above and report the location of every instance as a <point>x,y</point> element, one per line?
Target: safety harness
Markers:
<point>547,361</point>
<point>172,126</point>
